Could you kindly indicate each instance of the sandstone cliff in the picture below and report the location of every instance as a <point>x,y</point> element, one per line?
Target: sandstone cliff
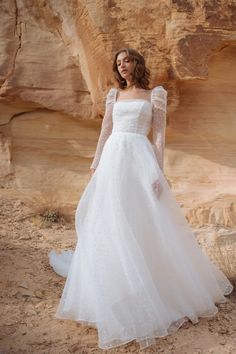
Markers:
<point>56,69</point>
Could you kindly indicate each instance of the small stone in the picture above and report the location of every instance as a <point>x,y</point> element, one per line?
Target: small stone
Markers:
<point>74,348</point>
<point>32,312</point>
<point>222,342</point>
<point>24,285</point>
<point>39,294</point>
<point>27,293</point>
<point>223,331</point>
<point>198,351</point>
<point>25,237</point>
<point>171,347</point>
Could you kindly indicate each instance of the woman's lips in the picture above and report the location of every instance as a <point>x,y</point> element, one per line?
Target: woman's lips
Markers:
<point>124,71</point>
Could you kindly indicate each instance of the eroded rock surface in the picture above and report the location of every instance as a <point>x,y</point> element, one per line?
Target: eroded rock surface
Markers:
<point>55,64</point>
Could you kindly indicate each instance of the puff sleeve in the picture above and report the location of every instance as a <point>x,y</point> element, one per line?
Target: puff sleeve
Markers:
<point>159,107</point>
<point>106,127</point>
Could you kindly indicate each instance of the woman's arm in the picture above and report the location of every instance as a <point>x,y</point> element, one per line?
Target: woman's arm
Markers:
<point>106,128</point>
<point>159,107</point>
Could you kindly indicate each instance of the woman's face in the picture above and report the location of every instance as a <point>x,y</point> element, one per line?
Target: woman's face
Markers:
<point>125,66</point>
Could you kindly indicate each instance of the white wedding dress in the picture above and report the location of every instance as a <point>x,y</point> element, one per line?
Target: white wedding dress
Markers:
<point>137,271</point>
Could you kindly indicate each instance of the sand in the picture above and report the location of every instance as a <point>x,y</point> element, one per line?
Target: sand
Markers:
<point>30,292</point>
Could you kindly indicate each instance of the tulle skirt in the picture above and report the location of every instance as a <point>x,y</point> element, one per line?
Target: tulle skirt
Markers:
<point>137,271</point>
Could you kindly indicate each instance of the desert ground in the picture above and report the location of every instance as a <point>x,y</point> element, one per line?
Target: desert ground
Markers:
<point>30,292</point>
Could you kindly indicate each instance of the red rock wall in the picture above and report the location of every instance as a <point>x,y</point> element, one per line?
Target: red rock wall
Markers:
<point>55,69</point>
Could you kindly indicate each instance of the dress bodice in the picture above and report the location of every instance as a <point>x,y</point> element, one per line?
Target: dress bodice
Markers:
<point>132,115</point>
<point>137,116</point>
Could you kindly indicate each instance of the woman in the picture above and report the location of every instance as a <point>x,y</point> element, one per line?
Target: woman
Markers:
<point>137,272</point>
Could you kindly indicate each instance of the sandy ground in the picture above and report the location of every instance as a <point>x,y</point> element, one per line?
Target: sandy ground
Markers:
<point>30,292</point>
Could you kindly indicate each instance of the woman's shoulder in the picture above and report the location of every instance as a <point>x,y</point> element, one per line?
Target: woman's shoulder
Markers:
<point>111,95</point>
<point>159,92</point>
<point>112,90</point>
<point>158,88</point>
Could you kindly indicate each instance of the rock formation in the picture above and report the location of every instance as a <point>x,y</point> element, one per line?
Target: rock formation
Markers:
<point>55,70</point>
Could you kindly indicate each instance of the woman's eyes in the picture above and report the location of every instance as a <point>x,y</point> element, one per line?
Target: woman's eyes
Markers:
<point>127,61</point>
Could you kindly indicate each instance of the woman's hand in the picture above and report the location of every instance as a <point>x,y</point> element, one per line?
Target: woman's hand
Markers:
<point>169,182</point>
<point>92,170</point>
<point>157,188</point>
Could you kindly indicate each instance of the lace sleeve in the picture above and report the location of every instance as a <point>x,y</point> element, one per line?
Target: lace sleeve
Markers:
<point>159,106</point>
<point>106,127</point>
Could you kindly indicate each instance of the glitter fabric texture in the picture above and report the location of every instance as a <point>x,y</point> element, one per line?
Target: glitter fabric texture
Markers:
<point>137,272</point>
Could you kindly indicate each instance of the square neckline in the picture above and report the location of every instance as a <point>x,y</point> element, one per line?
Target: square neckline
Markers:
<point>133,99</point>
